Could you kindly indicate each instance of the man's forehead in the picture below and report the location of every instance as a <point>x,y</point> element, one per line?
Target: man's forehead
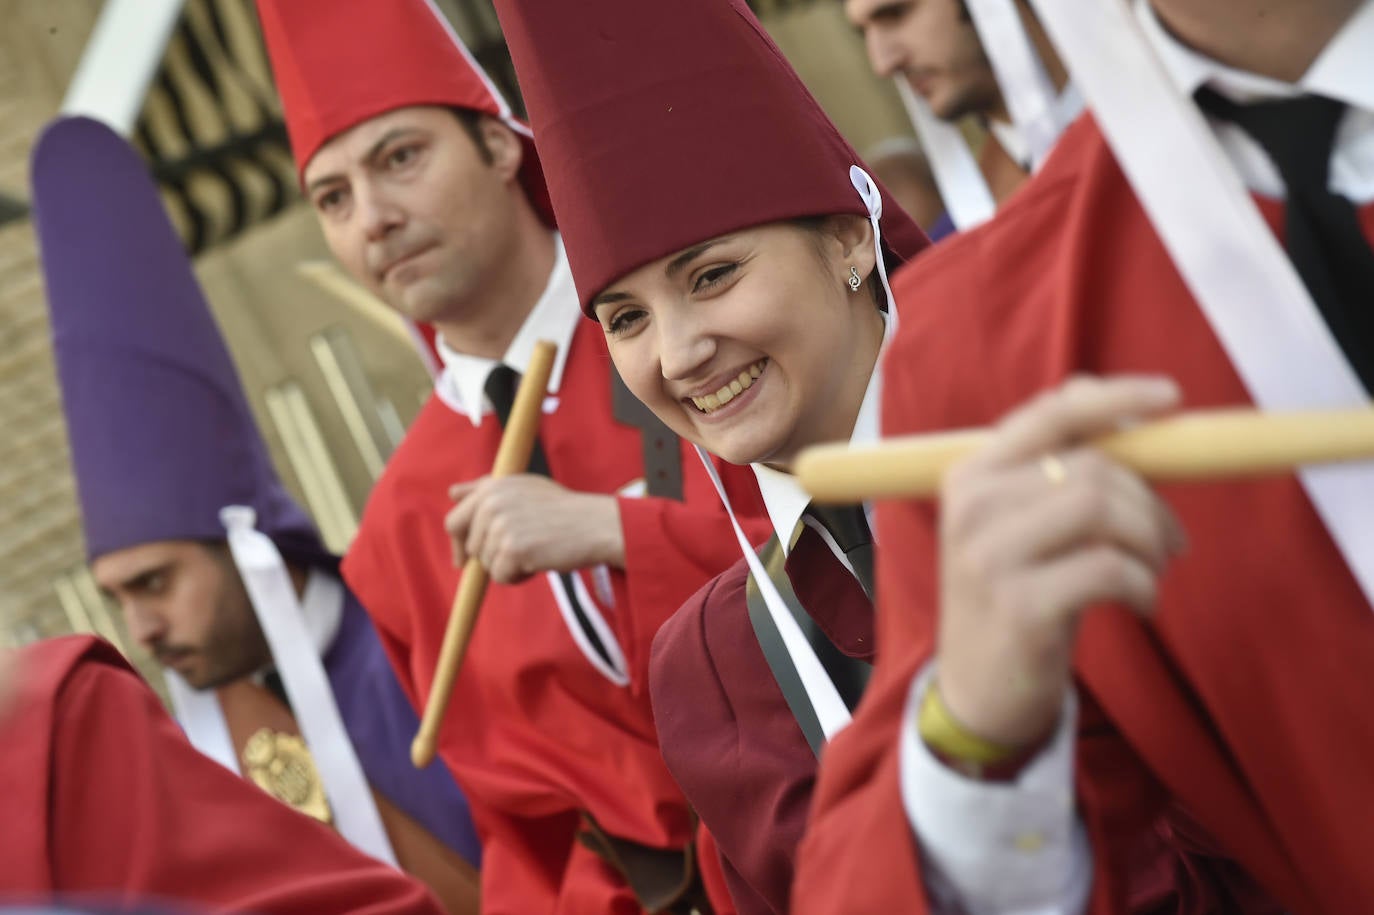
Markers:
<point>861,11</point>
<point>119,566</point>
<point>348,145</point>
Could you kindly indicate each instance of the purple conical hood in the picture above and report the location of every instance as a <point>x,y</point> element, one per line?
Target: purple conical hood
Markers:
<point>161,434</point>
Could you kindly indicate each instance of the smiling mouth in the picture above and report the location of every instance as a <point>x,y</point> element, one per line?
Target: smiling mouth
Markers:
<point>710,403</point>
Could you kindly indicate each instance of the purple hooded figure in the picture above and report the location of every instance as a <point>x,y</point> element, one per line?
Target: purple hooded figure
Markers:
<point>173,476</point>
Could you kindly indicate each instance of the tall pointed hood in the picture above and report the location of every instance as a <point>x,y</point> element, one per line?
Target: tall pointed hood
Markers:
<point>661,125</point>
<point>341,62</point>
<point>161,435</point>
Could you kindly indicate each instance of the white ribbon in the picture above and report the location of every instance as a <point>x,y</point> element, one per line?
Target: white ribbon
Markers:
<point>830,709</point>
<point>1235,268</point>
<point>964,190</point>
<point>873,200</point>
<point>1026,87</point>
<point>273,596</point>
<point>202,719</point>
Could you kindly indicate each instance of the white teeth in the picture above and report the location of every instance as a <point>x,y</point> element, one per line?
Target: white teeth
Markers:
<point>712,402</point>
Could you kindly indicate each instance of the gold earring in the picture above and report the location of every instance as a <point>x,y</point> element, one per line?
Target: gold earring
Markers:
<point>855,281</point>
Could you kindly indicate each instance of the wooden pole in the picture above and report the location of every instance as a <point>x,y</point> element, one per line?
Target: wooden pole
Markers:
<point>513,456</point>
<point>1191,446</point>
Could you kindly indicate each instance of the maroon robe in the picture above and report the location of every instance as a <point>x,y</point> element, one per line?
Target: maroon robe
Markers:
<point>1244,701</point>
<point>106,801</point>
<point>726,731</point>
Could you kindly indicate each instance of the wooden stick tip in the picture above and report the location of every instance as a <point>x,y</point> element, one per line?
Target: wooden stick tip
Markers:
<point>422,751</point>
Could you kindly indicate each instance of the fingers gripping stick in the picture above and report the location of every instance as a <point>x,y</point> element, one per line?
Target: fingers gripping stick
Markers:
<point>1197,445</point>
<point>513,456</point>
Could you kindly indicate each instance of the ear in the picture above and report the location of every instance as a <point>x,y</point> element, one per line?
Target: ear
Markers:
<point>850,237</point>
<point>503,144</point>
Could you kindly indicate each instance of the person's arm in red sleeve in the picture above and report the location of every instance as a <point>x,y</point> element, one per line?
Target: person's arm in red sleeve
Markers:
<point>137,814</point>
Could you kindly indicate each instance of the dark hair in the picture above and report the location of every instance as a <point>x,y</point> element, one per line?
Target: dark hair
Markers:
<point>472,125</point>
<point>816,227</point>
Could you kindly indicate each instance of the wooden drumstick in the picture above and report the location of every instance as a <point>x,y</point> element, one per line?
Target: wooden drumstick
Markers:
<point>1190,446</point>
<point>513,456</point>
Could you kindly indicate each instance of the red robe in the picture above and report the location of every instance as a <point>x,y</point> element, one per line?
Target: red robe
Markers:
<point>1245,702</point>
<point>535,735</point>
<point>106,801</point>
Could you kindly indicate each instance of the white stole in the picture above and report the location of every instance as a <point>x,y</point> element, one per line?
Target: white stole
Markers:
<point>1242,279</point>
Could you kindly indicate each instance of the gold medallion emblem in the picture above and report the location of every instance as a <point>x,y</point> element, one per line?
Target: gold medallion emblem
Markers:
<point>281,765</point>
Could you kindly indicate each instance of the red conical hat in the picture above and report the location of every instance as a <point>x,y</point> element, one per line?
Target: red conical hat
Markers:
<point>662,123</point>
<point>340,62</point>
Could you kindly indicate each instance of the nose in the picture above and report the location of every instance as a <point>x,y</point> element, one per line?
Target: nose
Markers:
<point>885,52</point>
<point>685,349</point>
<point>379,215</point>
<point>146,626</point>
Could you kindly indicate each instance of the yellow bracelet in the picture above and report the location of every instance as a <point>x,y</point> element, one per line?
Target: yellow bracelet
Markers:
<point>942,732</point>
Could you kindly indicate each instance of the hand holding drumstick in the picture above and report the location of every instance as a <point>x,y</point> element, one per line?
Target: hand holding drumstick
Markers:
<point>511,457</point>
<point>1048,514</point>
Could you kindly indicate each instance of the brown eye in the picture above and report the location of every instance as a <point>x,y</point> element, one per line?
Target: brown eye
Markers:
<point>713,277</point>
<point>624,320</point>
<point>329,200</point>
<point>402,156</point>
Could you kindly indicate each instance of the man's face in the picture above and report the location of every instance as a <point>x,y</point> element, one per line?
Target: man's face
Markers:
<point>934,45</point>
<point>414,209</point>
<point>186,605</point>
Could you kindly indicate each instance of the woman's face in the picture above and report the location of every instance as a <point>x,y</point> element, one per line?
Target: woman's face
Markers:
<point>752,344</point>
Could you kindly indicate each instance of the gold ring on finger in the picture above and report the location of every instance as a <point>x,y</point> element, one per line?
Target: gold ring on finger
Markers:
<point>1054,469</point>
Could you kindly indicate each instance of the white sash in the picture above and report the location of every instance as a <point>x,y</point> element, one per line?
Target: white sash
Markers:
<point>297,659</point>
<point>1026,87</point>
<point>202,719</point>
<point>1235,268</point>
<point>962,186</point>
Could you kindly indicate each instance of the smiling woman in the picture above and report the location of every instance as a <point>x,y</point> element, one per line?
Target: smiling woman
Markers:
<point>734,255</point>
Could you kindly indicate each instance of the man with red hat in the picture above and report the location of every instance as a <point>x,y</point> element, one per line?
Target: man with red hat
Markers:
<point>429,192</point>
<point>1211,225</point>
<point>107,804</point>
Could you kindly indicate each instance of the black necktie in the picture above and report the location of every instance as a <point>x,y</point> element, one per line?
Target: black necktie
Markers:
<point>1322,229</point>
<point>500,389</point>
<point>848,526</point>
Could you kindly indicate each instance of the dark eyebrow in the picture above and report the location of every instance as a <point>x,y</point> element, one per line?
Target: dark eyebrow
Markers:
<point>607,298</point>
<point>679,263</point>
<point>373,151</point>
<point>140,578</point>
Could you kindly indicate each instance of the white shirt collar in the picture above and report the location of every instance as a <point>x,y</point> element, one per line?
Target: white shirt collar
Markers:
<point>554,317</point>
<point>782,495</point>
<point>1067,107</point>
<point>1344,71</point>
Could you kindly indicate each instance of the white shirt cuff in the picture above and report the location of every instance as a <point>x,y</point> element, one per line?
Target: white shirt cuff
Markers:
<point>990,848</point>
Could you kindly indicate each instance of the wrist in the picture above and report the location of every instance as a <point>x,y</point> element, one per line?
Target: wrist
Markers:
<point>610,532</point>
<point>965,751</point>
